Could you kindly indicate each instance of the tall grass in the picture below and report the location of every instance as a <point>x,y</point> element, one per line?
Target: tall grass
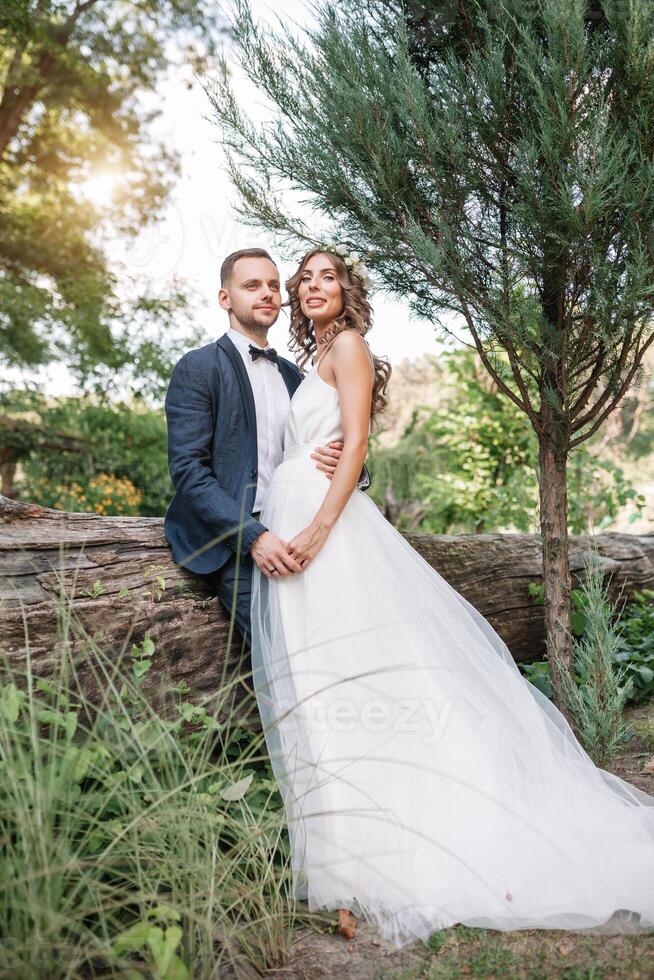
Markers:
<point>131,844</point>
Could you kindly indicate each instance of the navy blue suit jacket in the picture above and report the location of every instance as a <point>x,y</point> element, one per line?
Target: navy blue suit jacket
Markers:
<point>212,455</point>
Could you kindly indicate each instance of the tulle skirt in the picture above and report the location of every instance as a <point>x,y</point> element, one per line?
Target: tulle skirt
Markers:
<point>425,781</point>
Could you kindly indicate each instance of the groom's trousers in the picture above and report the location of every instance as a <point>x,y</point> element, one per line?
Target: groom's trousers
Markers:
<point>233,584</point>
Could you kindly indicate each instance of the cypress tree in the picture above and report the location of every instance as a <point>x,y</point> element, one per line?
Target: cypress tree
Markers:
<point>493,160</point>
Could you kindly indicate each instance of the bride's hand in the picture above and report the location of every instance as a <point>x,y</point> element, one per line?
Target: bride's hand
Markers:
<point>305,546</point>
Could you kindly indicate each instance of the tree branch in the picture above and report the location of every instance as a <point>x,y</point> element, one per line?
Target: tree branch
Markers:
<point>638,358</point>
<point>616,371</point>
<point>589,387</point>
<point>501,384</point>
<point>17,99</point>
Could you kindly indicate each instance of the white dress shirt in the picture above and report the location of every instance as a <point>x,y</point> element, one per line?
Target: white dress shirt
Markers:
<point>271,403</point>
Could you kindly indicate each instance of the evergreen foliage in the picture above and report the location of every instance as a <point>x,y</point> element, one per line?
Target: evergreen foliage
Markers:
<point>596,704</point>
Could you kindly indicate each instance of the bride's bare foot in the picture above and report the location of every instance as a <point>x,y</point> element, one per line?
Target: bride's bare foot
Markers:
<point>347,923</point>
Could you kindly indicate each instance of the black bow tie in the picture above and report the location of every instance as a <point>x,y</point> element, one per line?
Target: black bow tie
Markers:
<point>270,354</point>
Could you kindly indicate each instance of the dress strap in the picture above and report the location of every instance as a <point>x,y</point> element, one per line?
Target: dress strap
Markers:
<point>326,349</point>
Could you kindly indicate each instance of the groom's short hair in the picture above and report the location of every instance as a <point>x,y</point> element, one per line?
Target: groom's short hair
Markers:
<point>227,267</point>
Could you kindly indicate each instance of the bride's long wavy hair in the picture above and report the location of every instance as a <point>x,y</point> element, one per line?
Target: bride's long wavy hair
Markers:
<point>356,315</point>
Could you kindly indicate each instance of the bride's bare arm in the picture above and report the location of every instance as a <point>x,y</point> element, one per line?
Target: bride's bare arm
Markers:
<point>354,378</point>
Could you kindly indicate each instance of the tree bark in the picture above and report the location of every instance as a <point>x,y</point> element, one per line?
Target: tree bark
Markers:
<point>556,565</point>
<point>61,577</point>
<point>17,101</point>
<point>17,97</point>
<point>8,463</point>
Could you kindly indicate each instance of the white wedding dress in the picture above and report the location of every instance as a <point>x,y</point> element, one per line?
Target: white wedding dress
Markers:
<point>425,781</point>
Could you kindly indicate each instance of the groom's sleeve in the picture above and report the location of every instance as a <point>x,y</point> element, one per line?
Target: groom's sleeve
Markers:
<point>364,480</point>
<point>190,417</point>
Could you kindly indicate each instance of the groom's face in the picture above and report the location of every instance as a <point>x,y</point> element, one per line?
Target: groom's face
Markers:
<point>252,294</point>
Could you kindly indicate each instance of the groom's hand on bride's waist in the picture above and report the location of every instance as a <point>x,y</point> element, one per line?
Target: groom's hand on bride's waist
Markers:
<point>328,457</point>
<point>271,555</point>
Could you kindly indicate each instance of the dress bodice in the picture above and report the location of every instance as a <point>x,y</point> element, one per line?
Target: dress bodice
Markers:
<point>314,417</point>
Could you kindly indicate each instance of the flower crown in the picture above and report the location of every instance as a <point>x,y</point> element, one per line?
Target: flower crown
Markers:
<point>354,263</point>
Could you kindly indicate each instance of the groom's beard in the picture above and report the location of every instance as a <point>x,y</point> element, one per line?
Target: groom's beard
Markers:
<point>254,326</point>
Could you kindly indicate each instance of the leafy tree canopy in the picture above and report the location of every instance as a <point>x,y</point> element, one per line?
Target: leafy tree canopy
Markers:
<point>86,454</point>
<point>72,73</point>
<point>471,465</point>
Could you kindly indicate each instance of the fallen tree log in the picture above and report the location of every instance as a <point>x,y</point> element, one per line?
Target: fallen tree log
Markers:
<point>112,579</point>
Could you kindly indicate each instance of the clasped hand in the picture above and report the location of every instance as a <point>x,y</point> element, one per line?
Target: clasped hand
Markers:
<point>305,546</point>
<point>276,557</point>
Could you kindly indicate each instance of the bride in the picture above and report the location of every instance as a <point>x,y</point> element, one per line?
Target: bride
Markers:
<point>425,781</point>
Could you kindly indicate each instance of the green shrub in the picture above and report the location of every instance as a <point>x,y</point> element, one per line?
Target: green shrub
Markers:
<point>596,703</point>
<point>634,653</point>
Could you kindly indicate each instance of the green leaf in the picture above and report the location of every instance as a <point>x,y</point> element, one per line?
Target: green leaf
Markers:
<point>95,590</point>
<point>49,717</point>
<point>187,710</point>
<point>163,948</point>
<point>177,970</point>
<point>237,790</point>
<point>71,723</point>
<point>136,773</point>
<point>537,593</point>
<point>10,703</point>
<point>83,762</point>
<point>166,913</point>
<point>578,622</point>
<point>147,646</point>
<point>132,939</point>
<point>43,685</point>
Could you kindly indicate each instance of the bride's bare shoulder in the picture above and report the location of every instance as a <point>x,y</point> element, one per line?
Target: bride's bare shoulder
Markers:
<point>349,342</point>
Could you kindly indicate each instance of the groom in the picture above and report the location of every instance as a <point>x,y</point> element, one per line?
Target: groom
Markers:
<point>226,409</point>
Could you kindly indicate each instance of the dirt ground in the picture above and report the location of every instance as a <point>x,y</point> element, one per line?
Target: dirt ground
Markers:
<point>320,952</point>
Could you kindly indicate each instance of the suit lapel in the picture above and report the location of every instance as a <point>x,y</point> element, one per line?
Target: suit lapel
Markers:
<point>291,380</point>
<point>244,382</point>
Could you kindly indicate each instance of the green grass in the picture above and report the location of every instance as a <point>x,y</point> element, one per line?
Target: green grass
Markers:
<point>534,955</point>
<point>132,844</point>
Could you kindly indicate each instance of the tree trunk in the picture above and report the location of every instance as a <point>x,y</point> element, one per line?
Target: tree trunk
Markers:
<point>8,462</point>
<point>556,565</point>
<point>16,102</point>
<point>18,97</point>
<point>120,582</point>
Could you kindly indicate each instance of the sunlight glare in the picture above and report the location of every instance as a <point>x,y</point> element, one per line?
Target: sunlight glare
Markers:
<point>100,187</point>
